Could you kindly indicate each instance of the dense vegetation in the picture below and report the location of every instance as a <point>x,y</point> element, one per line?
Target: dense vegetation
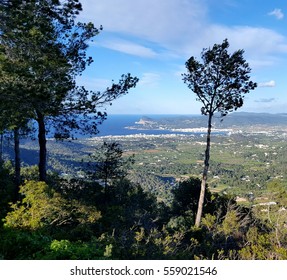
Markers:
<point>80,219</point>
<point>138,215</point>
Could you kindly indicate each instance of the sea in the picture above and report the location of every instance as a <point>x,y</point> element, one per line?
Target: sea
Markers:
<point>123,125</point>
<point>117,125</point>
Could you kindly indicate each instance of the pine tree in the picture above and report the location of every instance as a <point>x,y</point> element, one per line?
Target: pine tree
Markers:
<point>49,48</point>
<point>220,83</point>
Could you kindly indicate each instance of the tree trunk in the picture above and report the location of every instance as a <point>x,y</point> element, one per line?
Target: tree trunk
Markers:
<point>17,159</point>
<point>204,174</point>
<point>1,147</point>
<point>42,147</point>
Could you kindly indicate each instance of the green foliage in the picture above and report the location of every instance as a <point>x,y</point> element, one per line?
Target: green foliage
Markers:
<point>230,224</point>
<point>277,192</point>
<point>108,163</point>
<point>126,205</point>
<point>77,219</point>
<point>42,50</point>
<point>7,187</point>
<point>157,244</point>
<point>262,246</point>
<point>18,244</point>
<point>220,83</point>
<point>67,250</point>
<point>43,214</point>
<point>185,203</point>
<point>221,80</point>
<point>43,208</point>
<point>63,223</point>
<point>186,196</point>
<point>30,173</point>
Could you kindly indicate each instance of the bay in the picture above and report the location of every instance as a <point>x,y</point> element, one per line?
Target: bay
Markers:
<point>120,125</point>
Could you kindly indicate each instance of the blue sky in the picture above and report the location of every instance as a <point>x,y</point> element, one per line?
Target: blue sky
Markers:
<point>152,39</point>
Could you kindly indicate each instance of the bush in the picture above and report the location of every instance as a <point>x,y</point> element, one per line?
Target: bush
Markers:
<point>67,250</point>
<point>185,202</point>
<point>44,209</point>
<point>22,245</point>
<point>7,188</point>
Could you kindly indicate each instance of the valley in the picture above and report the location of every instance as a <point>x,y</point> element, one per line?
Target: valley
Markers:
<point>246,152</point>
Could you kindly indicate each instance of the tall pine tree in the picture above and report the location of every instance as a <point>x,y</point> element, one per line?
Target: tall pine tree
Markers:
<point>43,37</point>
<point>220,83</point>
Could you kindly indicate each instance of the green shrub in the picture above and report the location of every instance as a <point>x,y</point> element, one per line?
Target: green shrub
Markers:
<point>67,250</point>
<point>43,208</point>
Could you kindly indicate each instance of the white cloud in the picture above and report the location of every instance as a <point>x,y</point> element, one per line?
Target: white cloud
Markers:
<point>149,79</point>
<point>265,100</point>
<point>161,21</point>
<point>259,52</point>
<point>251,39</point>
<point>96,84</point>
<point>267,84</point>
<point>129,48</point>
<point>180,28</point>
<point>277,13</point>
<point>153,18</point>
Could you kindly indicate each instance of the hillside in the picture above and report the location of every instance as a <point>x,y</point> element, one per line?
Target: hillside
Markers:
<point>151,215</point>
<point>238,120</point>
